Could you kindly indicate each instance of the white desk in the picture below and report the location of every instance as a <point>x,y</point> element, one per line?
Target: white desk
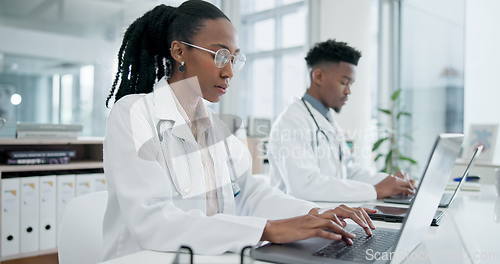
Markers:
<point>469,233</point>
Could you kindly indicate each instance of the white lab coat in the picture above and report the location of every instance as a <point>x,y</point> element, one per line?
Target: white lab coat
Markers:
<point>313,172</point>
<point>146,211</point>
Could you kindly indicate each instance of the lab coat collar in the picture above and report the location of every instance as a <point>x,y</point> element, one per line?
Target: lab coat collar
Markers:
<point>323,122</point>
<point>165,108</point>
<point>329,125</point>
<point>317,104</point>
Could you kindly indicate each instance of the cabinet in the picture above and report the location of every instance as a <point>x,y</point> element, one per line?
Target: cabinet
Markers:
<point>87,161</point>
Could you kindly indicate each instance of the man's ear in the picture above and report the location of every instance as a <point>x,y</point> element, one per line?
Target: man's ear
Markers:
<point>317,76</point>
<point>177,51</point>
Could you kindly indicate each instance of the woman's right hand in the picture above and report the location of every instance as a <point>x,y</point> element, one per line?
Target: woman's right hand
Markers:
<point>314,224</point>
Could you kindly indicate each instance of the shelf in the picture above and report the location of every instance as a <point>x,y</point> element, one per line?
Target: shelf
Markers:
<point>35,141</point>
<point>77,165</point>
<point>30,254</point>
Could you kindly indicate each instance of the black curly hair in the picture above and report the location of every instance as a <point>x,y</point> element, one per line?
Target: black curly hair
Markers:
<point>144,55</point>
<point>332,51</point>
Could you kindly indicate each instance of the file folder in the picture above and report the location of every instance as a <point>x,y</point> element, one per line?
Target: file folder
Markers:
<point>10,217</point>
<point>100,182</point>
<point>65,192</point>
<point>29,214</point>
<point>48,202</point>
<point>84,184</point>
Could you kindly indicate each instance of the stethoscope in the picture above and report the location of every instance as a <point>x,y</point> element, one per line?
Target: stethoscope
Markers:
<point>164,127</point>
<point>184,191</point>
<point>319,131</point>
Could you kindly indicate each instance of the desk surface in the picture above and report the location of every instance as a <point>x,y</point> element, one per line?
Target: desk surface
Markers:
<point>469,233</point>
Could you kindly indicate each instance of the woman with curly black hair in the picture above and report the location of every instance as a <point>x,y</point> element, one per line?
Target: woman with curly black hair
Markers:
<point>175,176</point>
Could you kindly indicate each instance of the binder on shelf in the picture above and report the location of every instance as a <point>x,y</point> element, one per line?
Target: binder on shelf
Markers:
<point>10,217</point>
<point>29,214</point>
<point>48,202</point>
<point>84,184</point>
<point>100,182</point>
<point>65,192</point>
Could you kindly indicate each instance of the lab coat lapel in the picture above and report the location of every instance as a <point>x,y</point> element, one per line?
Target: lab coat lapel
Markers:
<point>335,139</point>
<point>182,147</point>
<point>217,134</point>
<point>322,121</point>
<point>335,128</point>
<point>165,109</point>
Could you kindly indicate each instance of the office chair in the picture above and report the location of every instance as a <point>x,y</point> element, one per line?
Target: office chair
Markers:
<point>80,232</point>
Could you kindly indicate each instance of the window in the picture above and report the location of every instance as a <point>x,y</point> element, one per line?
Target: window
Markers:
<point>49,91</point>
<point>273,36</point>
<point>432,66</point>
<point>426,53</point>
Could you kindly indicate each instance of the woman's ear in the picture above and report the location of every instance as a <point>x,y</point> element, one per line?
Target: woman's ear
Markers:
<point>177,51</point>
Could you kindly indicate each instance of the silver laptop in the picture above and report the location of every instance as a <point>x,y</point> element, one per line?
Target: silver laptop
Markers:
<point>447,198</point>
<point>386,245</point>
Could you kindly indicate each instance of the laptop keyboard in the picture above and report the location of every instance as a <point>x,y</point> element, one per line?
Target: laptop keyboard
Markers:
<point>381,241</point>
<point>403,197</point>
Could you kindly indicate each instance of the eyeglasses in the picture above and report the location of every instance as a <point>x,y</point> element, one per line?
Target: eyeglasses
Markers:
<point>223,56</point>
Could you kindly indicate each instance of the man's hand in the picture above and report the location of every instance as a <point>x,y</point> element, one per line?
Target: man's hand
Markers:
<point>393,185</point>
<point>405,176</point>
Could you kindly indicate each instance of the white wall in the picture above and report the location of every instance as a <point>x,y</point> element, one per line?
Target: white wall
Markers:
<point>355,22</point>
<point>482,64</point>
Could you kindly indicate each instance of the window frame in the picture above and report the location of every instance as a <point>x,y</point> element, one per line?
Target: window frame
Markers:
<point>276,53</point>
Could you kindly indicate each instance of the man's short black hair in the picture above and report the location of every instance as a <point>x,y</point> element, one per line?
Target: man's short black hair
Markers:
<point>332,51</point>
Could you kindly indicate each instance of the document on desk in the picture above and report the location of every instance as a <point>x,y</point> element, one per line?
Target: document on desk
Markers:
<point>466,186</point>
<point>153,257</point>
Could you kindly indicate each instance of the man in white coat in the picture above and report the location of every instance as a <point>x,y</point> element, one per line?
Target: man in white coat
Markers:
<point>307,150</point>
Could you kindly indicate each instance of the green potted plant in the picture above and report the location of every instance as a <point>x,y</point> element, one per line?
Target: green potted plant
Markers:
<point>390,136</point>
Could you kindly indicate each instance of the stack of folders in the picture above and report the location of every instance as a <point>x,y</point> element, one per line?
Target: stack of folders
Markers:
<point>33,206</point>
<point>48,131</point>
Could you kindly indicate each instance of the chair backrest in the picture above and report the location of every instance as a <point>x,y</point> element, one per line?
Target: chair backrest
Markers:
<point>80,232</point>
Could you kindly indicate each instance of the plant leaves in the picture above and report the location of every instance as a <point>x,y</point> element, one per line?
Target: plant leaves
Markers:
<point>377,144</point>
<point>395,94</point>
<point>388,160</point>
<point>412,161</point>
<point>385,111</point>
<point>379,156</point>
<point>400,114</point>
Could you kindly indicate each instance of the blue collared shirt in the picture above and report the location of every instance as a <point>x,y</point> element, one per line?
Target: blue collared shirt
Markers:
<point>318,105</point>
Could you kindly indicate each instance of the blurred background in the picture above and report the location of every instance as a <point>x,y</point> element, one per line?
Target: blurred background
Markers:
<point>58,60</point>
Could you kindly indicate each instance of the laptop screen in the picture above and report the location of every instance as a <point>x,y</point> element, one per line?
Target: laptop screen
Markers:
<point>435,176</point>
<point>476,154</point>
